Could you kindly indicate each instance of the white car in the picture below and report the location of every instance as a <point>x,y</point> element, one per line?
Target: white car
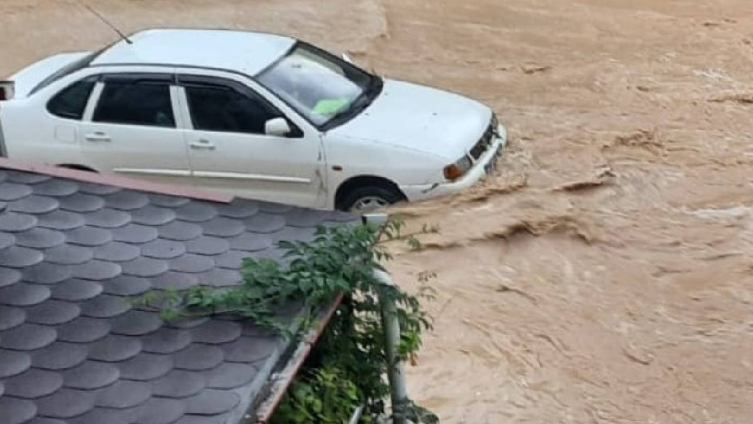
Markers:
<point>255,115</point>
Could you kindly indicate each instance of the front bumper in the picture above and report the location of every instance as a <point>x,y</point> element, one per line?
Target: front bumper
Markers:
<point>483,166</point>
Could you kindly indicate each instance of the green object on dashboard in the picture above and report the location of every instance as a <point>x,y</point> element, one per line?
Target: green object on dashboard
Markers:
<point>330,107</point>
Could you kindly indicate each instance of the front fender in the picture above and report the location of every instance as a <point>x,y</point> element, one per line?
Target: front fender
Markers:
<point>349,157</point>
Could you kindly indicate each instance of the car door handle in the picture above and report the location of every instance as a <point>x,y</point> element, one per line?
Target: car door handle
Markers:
<point>98,137</point>
<point>202,145</point>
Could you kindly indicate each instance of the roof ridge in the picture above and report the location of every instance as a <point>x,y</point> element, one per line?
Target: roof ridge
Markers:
<point>116,181</point>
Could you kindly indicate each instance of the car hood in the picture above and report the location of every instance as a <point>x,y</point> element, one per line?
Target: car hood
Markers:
<point>420,118</point>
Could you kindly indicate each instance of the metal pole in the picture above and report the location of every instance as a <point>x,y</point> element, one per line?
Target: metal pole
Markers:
<point>356,415</point>
<point>395,366</point>
<point>391,328</point>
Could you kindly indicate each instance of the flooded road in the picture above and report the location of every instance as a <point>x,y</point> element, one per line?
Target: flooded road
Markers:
<point>604,274</point>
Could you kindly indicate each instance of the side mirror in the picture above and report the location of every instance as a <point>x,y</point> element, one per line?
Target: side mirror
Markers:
<point>347,58</point>
<point>277,127</point>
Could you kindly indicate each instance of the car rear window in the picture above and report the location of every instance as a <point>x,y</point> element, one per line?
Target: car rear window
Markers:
<point>71,101</point>
<point>136,103</point>
<point>66,70</point>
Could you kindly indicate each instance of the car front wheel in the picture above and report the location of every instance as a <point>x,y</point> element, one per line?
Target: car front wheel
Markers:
<point>370,198</point>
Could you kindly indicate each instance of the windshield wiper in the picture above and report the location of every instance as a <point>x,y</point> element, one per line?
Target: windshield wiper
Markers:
<point>375,87</point>
<point>362,102</point>
<point>368,96</point>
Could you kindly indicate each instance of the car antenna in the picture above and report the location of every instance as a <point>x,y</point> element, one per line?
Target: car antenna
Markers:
<point>103,19</point>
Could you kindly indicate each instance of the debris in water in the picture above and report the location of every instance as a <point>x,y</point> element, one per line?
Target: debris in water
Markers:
<point>503,288</point>
<point>739,98</point>
<point>534,69</point>
<point>632,353</point>
<point>605,176</point>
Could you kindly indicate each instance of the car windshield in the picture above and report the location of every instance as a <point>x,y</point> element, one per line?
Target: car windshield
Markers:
<point>322,88</point>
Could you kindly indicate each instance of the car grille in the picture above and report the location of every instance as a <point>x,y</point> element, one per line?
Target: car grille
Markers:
<point>486,140</point>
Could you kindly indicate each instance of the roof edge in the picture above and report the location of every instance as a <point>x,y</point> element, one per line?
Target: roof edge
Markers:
<point>208,28</point>
<point>116,181</point>
<point>280,385</point>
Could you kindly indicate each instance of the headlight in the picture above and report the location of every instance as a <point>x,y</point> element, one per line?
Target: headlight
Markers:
<point>458,169</point>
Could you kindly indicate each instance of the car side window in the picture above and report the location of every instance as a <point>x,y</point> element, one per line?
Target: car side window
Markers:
<point>225,109</point>
<point>71,101</point>
<point>135,102</point>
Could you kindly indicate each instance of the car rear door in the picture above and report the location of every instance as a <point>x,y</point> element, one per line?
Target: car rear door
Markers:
<point>230,152</point>
<point>131,128</point>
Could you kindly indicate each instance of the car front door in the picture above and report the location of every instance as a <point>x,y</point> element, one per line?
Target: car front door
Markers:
<point>131,128</point>
<point>230,150</point>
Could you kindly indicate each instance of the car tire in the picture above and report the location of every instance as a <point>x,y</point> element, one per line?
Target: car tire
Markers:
<point>369,198</point>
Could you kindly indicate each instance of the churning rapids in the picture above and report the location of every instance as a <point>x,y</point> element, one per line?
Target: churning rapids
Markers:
<point>603,275</point>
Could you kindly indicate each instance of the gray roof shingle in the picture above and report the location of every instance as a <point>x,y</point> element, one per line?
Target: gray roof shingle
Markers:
<point>74,350</point>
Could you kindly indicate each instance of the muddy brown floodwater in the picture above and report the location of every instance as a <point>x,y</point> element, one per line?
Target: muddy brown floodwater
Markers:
<point>604,274</point>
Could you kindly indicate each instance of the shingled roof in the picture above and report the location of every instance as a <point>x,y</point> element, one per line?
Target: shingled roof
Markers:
<point>74,246</point>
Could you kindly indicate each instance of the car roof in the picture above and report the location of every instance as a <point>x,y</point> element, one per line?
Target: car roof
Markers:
<point>238,51</point>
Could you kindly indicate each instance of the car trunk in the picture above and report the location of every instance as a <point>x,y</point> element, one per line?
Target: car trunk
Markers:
<point>46,70</point>
<point>33,77</point>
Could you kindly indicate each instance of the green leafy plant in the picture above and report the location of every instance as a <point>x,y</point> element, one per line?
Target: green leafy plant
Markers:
<point>348,364</point>
<point>322,395</point>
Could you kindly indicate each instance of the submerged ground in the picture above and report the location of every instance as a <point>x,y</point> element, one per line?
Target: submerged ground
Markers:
<point>604,275</point>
